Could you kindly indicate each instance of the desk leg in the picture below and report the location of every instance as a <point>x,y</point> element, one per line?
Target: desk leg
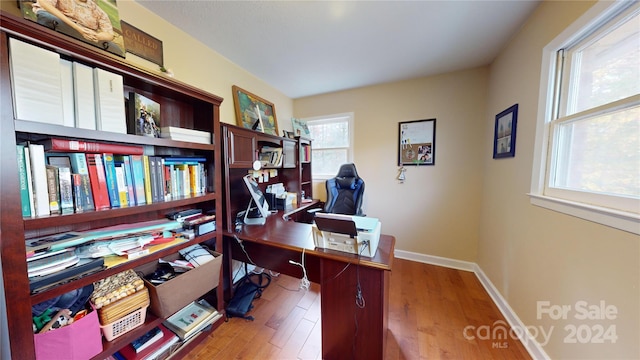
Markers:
<point>348,331</point>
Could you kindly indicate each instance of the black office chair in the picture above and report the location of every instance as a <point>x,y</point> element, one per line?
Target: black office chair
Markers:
<point>345,192</point>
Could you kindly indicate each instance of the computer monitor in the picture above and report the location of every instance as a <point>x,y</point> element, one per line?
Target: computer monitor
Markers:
<point>251,216</point>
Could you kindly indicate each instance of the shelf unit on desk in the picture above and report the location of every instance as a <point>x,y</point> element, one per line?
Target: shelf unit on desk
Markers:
<point>181,106</point>
<point>241,147</point>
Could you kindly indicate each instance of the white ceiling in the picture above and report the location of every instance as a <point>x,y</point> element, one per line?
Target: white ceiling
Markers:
<point>305,48</point>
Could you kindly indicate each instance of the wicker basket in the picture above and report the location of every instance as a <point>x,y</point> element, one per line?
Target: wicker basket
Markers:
<point>125,324</point>
<point>117,310</point>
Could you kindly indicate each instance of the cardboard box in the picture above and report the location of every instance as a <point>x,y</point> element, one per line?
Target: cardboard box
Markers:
<point>173,295</point>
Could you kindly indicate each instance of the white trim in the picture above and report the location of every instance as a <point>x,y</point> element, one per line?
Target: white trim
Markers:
<point>616,219</point>
<point>436,260</point>
<point>598,13</point>
<point>530,343</point>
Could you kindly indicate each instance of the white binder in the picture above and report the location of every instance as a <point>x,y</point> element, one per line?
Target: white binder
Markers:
<point>84,95</point>
<point>66,82</point>
<point>35,75</point>
<point>110,109</point>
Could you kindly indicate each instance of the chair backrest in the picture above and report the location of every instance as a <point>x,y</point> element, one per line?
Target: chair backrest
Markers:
<point>345,192</point>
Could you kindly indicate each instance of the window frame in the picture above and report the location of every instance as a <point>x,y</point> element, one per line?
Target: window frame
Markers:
<point>329,119</point>
<point>540,194</point>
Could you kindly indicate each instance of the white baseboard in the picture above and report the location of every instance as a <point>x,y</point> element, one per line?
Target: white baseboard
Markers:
<point>533,347</point>
<point>436,260</point>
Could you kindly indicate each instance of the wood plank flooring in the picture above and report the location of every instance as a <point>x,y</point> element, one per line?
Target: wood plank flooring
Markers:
<point>429,309</point>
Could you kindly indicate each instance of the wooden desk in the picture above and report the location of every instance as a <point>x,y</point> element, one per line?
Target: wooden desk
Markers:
<point>348,331</point>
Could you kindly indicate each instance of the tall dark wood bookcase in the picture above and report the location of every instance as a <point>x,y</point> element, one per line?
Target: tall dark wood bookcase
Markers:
<point>182,106</point>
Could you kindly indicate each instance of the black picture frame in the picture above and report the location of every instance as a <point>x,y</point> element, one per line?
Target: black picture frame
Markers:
<point>504,136</point>
<point>417,142</point>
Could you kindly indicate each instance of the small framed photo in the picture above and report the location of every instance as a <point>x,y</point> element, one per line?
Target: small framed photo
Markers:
<point>504,139</point>
<point>288,134</point>
<point>417,142</point>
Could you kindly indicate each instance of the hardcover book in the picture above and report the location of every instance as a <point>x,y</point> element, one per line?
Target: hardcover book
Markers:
<point>124,161</point>
<point>137,169</point>
<point>191,319</point>
<point>155,350</point>
<point>66,190</point>
<point>87,193</point>
<point>144,117</point>
<point>39,178</point>
<point>98,181</point>
<point>112,181</point>
<point>147,339</point>
<point>24,188</point>
<point>147,179</point>
<point>78,193</point>
<point>27,160</point>
<point>64,145</point>
<point>54,190</point>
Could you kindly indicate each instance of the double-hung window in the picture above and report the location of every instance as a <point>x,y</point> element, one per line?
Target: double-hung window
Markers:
<point>589,161</point>
<point>332,144</point>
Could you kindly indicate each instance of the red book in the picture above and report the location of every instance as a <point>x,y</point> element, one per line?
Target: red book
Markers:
<point>64,145</point>
<point>130,354</point>
<point>98,180</point>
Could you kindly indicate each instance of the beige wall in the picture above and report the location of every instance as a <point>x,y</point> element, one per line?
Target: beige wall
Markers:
<point>533,254</point>
<point>195,64</point>
<point>436,210</point>
<point>468,206</point>
<point>472,207</point>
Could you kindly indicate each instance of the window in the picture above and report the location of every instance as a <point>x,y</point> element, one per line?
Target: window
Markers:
<point>332,144</point>
<point>589,163</point>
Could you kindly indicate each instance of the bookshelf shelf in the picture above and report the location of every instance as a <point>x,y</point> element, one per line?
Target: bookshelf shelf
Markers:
<point>182,106</point>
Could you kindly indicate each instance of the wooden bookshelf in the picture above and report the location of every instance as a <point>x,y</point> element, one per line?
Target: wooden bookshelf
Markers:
<point>182,105</point>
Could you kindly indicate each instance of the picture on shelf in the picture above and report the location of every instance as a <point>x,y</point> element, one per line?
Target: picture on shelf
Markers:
<point>145,116</point>
<point>300,128</point>
<point>96,22</point>
<point>254,112</point>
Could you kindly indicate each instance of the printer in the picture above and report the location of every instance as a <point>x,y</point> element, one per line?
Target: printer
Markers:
<point>352,234</point>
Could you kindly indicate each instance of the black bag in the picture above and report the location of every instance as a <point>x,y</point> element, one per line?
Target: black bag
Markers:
<point>249,287</point>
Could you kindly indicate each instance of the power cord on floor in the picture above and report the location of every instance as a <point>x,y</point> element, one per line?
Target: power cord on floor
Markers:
<point>304,282</point>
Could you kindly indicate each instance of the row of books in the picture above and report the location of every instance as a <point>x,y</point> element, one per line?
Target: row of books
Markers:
<point>55,182</point>
<point>305,153</point>
<point>177,330</point>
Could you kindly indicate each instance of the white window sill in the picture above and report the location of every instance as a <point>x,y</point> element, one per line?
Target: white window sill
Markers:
<point>617,219</point>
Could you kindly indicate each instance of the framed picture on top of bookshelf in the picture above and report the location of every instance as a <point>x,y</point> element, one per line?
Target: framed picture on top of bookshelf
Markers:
<point>108,35</point>
<point>254,112</point>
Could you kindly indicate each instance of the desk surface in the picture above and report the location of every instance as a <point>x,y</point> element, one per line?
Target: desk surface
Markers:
<point>290,235</point>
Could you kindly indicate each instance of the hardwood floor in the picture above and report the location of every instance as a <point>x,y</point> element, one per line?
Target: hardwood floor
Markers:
<point>429,309</point>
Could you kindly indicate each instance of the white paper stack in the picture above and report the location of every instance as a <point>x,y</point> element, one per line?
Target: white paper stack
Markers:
<point>189,135</point>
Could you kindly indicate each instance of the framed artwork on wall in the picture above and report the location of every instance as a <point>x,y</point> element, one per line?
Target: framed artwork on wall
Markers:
<point>254,112</point>
<point>99,21</point>
<point>504,138</point>
<point>417,142</point>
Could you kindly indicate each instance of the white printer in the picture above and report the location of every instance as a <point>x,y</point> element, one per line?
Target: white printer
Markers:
<point>353,234</point>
